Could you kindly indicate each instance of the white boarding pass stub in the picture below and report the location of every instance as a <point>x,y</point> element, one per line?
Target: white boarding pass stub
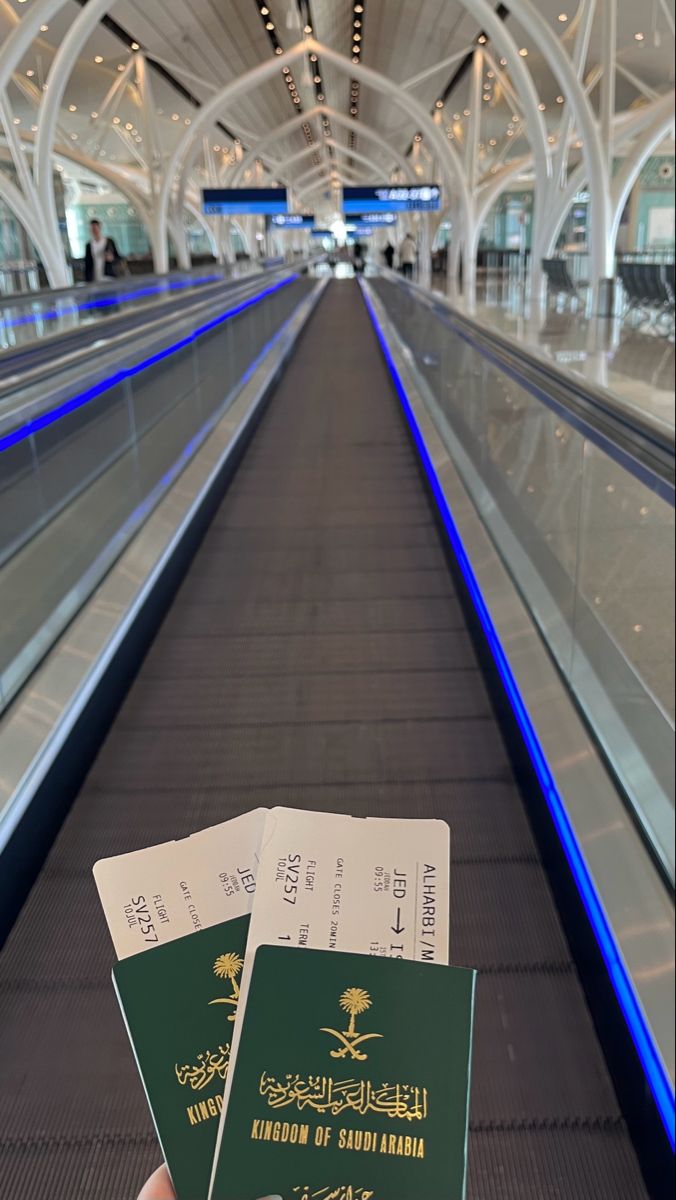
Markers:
<point>361,886</point>
<point>164,892</point>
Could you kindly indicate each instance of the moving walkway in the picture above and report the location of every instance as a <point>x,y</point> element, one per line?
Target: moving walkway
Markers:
<point>257,573</point>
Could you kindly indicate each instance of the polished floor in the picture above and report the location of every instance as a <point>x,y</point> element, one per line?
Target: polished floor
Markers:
<point>633,359</point>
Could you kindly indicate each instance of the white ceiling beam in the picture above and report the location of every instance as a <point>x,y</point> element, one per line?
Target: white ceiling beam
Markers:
<point>444,65</point>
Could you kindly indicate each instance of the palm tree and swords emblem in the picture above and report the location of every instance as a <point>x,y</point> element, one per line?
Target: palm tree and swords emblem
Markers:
<point>355,1002</point>
<point>229,966</point>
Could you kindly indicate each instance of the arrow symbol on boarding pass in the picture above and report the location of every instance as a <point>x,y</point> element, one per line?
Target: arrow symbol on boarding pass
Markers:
<point>398,928</point>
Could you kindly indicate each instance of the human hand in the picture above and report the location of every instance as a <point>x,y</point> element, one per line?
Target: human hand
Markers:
<point>159,1188</point>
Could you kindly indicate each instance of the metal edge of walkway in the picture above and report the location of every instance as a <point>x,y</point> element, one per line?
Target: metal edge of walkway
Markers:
<point>645,1089</point>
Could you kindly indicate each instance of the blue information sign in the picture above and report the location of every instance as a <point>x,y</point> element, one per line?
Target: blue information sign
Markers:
<point>321,233</point>
<point>219,202</point>
<point>375,220</point>
<point>392,198</point>
<point>292,221</point>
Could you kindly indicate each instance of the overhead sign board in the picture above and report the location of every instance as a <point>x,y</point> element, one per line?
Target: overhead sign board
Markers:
<point>219,202</point>
<point>292,221</point>
<point>321,233</point>
<point>425,197</point>
<point>375,220</point>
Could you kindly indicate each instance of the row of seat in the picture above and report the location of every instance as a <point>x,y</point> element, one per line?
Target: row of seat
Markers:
<point>649,287</point>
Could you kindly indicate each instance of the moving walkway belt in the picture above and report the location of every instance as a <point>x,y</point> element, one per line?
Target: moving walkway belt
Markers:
<point>315,656</point>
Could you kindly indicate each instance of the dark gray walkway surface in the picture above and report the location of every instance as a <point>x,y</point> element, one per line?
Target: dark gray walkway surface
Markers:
<point>317,657</point>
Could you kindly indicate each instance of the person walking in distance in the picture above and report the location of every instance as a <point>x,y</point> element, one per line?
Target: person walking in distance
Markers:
<point>408,255</point>
<point>102,260</point>
<point>388,254</point>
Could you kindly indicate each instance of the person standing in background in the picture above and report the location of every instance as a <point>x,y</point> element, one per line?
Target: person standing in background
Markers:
<point>408,255</point>
<point>388,254</point>
<point>102,259</point>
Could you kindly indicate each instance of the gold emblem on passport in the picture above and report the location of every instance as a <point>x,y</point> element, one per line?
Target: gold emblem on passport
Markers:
<point>355,1002</point>
<point>229,966</point>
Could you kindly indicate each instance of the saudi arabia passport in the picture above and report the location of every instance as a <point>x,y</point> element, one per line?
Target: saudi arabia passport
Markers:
<point>179,1002</point>
<point>351,1080</point>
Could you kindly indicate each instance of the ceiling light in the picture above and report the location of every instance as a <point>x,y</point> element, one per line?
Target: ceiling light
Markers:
<point>94,116</point>
<point>483,39</point>
<point>44,28</point>
<point>560,100</point>
<point>639,37</point>
<point>17,120</point>
<point>503,62</point>
<point>440,104</point>
<point>563,17</point>
<point>99,58</point>
<point>523,52</point>
<point>468,112</point>
<point>135,46</point>
<point>542,107</point>
<point>486,96</point>
<point>34,128</point>
<point>493,142</point>
<point>175,117</point>
<point>120,66</point>
<point>72,108</point>
<point>30,74</point>
<point>129,126</point>
<point>117,121</point>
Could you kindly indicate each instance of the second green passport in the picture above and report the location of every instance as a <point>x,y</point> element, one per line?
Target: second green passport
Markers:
<point>351,1081</point>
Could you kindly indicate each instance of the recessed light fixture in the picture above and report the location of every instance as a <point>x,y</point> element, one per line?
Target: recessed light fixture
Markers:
<point>98,58</point>
<point>639,37</point>
<point>523,52</point>
<point>563,18</point>
<point>560,100</point>
<point>30,74</point>
<point>72,108</point>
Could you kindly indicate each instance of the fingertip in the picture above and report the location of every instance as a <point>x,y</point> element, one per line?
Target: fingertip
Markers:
<point>158,1187</point>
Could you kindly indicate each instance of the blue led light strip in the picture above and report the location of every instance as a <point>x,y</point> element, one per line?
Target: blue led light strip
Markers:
<point>108,302</point>
<point>649,1055</point>
<point>55,414</point>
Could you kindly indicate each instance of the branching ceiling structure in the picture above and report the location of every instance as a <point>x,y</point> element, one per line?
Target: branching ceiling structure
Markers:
<point>160,98</point>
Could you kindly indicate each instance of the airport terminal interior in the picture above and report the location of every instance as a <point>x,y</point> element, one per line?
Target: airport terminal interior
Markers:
<point>337,489</point>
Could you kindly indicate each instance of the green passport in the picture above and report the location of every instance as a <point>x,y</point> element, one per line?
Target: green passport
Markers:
<point>179,1003</point>
<point>351,1081</point>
